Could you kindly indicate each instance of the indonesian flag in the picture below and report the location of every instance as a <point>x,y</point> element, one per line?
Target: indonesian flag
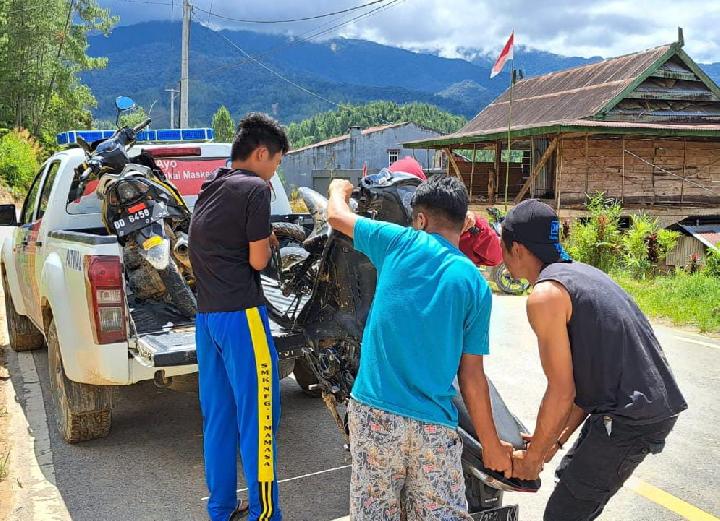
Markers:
<point>505,55</point>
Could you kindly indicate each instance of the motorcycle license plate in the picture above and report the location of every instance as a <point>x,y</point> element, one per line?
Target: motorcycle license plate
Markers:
<point>508,513</point>
<point>139,216</point>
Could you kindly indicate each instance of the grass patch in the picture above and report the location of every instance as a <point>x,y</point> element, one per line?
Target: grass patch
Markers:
<point>685,299</point>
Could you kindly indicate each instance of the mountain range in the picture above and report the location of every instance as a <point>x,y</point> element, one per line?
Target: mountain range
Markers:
<point>292,78</point>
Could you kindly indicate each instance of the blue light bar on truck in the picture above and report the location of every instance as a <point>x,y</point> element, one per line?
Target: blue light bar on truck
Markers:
<point>178,135</point>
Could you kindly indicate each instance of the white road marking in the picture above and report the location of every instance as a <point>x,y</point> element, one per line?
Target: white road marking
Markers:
<point>335,469</point>
<point>698,342</point>
<point>36,495</point>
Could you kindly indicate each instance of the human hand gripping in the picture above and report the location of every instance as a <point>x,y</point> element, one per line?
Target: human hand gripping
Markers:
<point>525,465</point>
<point>499,458</point>
<point>341,187</point>
<point>340,216</point>
<point>274,243</point>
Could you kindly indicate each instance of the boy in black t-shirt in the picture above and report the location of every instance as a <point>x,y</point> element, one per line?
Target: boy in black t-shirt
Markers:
<point>230,242</point>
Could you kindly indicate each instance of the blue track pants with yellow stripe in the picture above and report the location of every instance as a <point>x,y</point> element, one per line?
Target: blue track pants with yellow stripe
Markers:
<point>240,402</point>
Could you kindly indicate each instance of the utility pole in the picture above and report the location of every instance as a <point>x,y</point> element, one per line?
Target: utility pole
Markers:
<point>172,105</point>
<point>184,94</point>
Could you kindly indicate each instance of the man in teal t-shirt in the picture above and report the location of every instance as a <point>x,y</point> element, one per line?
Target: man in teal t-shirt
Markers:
<point>429,323</point>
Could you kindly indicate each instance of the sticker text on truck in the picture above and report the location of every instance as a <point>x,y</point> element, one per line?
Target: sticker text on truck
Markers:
<point>74,260</point>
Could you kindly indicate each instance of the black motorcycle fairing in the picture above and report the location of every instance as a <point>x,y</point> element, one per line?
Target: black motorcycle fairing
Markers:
<point>110,154</point>
<point>334,317</point>
<point>509,428</point>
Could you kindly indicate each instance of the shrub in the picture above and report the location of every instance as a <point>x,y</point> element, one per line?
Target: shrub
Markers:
<point>597,241</point>
<point>645,246</point>
<point>20,159</point>
<point>712,263</point>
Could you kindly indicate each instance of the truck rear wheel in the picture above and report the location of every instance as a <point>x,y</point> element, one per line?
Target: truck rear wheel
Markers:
<point>24,336</point>
<point>83,412</point>
<point>285,367</point>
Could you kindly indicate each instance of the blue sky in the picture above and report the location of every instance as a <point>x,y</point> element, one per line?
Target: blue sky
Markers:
<point>577,28</point>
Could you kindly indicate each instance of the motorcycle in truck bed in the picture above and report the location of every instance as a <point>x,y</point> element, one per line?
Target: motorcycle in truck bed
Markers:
<point>66,281</point>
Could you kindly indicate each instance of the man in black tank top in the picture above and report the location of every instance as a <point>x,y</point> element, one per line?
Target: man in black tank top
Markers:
<point>605,370</point>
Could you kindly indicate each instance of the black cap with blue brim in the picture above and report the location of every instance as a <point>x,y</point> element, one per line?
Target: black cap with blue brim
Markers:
<point>536,226</point>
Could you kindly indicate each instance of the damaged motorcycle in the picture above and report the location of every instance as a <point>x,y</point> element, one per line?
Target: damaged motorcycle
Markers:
<point>328,288</point>
<point>145,211</point>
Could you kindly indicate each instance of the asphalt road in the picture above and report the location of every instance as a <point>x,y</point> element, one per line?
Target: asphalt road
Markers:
<point>150,467</point>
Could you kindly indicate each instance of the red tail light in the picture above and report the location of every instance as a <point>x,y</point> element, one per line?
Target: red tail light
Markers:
<point>105,283</point>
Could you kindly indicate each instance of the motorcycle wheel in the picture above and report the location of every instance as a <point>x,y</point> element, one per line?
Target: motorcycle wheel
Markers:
<point>284,309</point>
<point>506,283</point>
<point>288,233</point>
<point>180,294</point>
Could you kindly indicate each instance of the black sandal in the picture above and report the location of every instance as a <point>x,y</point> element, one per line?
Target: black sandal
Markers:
<point>241,511</point>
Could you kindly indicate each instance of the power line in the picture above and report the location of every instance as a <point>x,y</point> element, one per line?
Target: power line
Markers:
<point>258,62</point>
<point>303,39</point>
<point>369,13</point>
<point>288,20</point>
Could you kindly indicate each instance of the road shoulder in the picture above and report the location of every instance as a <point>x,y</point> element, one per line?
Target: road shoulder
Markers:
<point>6,492</point>
<point>31,475</point>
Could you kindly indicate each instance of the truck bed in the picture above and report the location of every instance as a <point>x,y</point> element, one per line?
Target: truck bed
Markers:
<point>167,339</point>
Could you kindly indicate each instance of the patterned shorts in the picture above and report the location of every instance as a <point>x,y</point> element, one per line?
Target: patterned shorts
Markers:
<point>404,469</point>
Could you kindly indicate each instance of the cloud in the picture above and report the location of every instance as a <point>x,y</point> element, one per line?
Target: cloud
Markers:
<point>569,27</point>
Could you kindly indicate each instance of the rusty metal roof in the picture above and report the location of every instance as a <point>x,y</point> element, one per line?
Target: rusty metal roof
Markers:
<point>338,139</point>
<point>708,234</point>
<point>590,126</point>
<point>571,94</point>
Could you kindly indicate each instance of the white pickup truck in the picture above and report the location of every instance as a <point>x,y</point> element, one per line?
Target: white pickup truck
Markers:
<point>65,288</point>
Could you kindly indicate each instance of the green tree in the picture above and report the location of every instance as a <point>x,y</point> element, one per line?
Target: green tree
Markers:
<point>19,159</point>
<point>337,122</point>
<point>43,48</point>
<point>223,125</point>
<point>127,119</point>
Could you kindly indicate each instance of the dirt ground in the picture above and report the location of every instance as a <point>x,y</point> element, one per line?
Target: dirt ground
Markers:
<point>5,488</point>
<point>7,197</point>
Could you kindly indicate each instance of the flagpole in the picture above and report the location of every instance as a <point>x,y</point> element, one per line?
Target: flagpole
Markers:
<point>509,150</point>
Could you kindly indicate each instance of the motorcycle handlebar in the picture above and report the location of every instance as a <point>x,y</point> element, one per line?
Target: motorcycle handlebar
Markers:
<point>141,126</point>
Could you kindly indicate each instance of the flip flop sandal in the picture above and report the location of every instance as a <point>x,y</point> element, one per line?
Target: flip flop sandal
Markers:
<point>241,511</point>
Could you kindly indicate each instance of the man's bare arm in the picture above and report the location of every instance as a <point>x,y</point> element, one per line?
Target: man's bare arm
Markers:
<point>476,393</point>
<point>340,216</point>
<point>575,420</point>
<point>260,254</point>
<point>549,309</point>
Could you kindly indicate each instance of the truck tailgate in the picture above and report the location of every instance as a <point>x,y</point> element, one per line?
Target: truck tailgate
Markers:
<point>165,339</point>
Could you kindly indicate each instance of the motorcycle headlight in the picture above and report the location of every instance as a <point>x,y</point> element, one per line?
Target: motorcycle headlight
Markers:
<point>129,191</point>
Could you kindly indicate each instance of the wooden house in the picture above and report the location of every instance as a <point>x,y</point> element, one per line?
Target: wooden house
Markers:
<point>642,128</point>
